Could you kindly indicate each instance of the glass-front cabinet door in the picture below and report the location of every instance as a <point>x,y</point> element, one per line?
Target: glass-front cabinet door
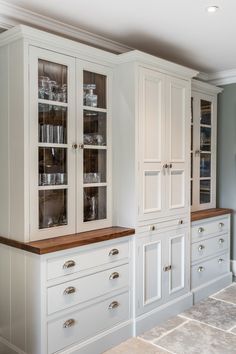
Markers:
<point>203,151</point>
<point>52,134</point>
<point>94,127</point>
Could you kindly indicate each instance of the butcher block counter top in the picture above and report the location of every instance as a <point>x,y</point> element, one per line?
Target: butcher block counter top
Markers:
<point>69,241</point>
<point>209,213</point>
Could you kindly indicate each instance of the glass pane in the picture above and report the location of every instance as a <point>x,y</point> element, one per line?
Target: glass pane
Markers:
<point>191,109</point>
<point>205,191</point>
<point>94,166</point>
<point>94,90</point>
<point>52,81</point>
<point>95,127</point>
<point>205,139</point>
<point>191,137</point>
<point>191,192</point>
<point>205,165</point>
<point>205,112</point>
<point>52,208</point>
<point>95,203</point>
<point>52,124</point>
<point>52,166</point>
<point>191,165</point>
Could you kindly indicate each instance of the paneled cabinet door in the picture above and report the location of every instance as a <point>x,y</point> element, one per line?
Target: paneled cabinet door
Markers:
<point>177,144</point>
<point>52,134</point>
<point>151,144</point>
<point>149,273</point>
<point>176,264</point>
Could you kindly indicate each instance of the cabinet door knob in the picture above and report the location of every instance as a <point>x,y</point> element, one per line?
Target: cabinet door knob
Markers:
<point>152,228</point>
<point>180,222</point>
<point>114,275</point>
<point>69,264</point>
<point>113,305</point>
<point>81,146</point>
<point>201,247</point>
<point>170,165</point>
<point>221,240</point>
<point>198,152</point>
<point>221,224</point>
<point>74,146</point>
<point>69,290</point>
<point>69,323</point>
<point>200,269</point>
<point>167,268</point>
<point>165,165</point>
<point>114,252</point>
<point>201,229</point>
<point>220,260</point>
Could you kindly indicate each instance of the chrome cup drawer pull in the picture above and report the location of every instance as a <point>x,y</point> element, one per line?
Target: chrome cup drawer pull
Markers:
<point>69,264</point>
<point>69,323</point>
<point>200,269</point>
<point>114,275</point>
<point>69,290</point>
<point>221,240</point>
<point>113,305</point>
<point>221,224</point>
<point>200,230</point>
<point>201,248</point>
<point>220,260</point>
<point>114,252</point>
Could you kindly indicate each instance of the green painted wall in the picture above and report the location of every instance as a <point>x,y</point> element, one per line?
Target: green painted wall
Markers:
<point>226,155</point>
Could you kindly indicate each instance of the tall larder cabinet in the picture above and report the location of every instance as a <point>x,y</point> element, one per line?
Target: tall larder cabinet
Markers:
<point>151,175</point>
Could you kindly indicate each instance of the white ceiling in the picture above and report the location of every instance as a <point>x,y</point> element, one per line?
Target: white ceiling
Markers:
<point>178,30</point>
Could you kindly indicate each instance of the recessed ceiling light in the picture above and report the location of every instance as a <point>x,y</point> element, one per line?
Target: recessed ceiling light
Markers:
<point>212,9</point>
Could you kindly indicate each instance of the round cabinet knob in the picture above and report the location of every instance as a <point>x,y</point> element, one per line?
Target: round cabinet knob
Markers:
<point>69,264</point>
<point>165,165</point>
<point>69,323</point>
<point>220,260</point>
<point>221,224</point>
<point>113,305</point>
<point>180,222</point>
<point>221,240</point>
<point>74,146</point>
<point>114,252</point>
<point>201,247</point>
<point>81,146</point>
<point>170,165</point>
<point>200,230</point>
<point>200,269</point>
<point>152,228</point>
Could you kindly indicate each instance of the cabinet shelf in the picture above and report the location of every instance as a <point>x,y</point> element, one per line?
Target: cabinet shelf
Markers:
<point>52,186</point>
<point>94,109</point>
<point>53,145</point>
<point>88,185</point>
<point>52,103</point>
<point>95,147</point>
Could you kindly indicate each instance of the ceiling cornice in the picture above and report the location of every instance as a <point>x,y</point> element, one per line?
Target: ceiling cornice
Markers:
<point>12,15</point>
<point>224,77</point>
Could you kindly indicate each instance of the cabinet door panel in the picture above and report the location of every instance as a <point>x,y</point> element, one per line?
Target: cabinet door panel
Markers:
<point>178,140</point>
<point>149,273</point>
<point>151,143</point>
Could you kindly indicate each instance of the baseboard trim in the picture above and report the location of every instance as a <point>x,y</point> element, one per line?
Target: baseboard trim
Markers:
<point>155,317</point>
<point>211,287</point>
<point>233,267</point>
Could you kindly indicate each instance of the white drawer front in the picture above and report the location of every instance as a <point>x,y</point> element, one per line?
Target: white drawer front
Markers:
<point>86,288</point>
<point>209,247</point>
<point>207,227</point>
<point>208,270</point>
<point>86,259</point>
<point>154,227</point>
<point>87,322</point>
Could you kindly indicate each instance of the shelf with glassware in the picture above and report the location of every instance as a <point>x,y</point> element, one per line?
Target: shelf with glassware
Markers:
<point>203,145</point>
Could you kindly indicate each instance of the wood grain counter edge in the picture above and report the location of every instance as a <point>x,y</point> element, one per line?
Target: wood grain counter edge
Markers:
<point>209,213</point>
<point>69,241</point>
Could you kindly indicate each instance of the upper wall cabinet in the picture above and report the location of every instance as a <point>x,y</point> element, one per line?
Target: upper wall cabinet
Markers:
<point>203,145</point>
<point>59,137</point>
<point>151,140</point>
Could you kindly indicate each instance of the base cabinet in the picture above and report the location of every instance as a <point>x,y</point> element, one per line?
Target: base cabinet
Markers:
<point>162,265</point>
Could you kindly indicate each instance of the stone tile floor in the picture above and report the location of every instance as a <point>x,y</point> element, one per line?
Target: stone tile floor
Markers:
<point>209,327</point>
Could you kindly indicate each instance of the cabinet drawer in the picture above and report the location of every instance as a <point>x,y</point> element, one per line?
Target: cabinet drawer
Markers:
<point>86,259</point>
<point>208,270</point>
<point>86,288</point>
<point>209,247</point>
<point>86,323</point>
<point>206,228</point>
<point>176,223</point>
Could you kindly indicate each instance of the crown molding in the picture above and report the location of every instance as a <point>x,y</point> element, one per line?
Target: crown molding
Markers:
<point>224,77</point>
<point>202,86</point>
<point>12,15</point>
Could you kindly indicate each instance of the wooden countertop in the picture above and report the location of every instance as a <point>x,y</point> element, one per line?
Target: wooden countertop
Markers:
<point>69,241</point>
<point>209,213</point>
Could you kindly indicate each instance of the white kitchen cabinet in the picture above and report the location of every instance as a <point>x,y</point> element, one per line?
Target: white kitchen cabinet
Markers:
<point>57,136</point>
<point>203,145</point>
<point>162,268</point>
